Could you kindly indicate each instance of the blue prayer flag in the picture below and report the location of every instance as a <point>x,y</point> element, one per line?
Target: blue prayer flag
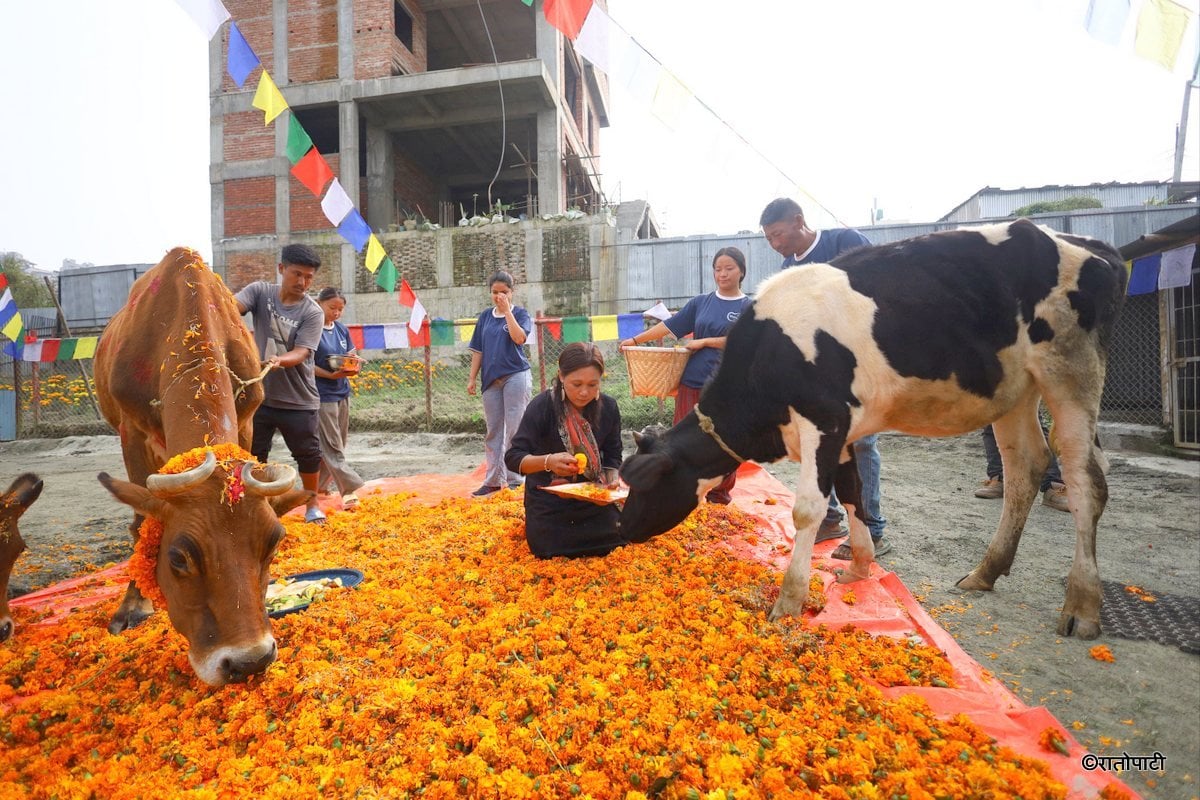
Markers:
<point>629,325</point>
<point>242,60</point>
<point>373,338</point>
<point>1144,278</point>
<point>355,230</point>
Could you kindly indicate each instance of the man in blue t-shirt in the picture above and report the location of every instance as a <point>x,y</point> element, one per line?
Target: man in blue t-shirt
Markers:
<point>788,234</point>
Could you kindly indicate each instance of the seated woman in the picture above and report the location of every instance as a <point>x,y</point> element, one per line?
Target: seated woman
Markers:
<point>570,417</point>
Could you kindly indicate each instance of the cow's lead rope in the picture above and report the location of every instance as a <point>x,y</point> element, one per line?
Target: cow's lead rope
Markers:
<point>706,425</point>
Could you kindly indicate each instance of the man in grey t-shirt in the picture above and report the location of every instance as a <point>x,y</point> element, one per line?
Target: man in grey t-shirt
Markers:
<point>287,329</point>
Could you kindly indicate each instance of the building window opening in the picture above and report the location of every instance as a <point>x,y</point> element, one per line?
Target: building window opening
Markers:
<point>404,25</point>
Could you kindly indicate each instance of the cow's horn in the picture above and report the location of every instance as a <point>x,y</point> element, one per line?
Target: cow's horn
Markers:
<point>167,485</point>
<point>637,437</point>
<point>280,478</point>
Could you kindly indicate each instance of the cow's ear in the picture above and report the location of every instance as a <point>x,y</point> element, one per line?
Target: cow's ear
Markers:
<point>138,497</point>
<point>643,470</point>
<point>283,503</point>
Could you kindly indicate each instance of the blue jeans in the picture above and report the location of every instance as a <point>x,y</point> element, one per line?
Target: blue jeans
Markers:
<point>995,467</point>
<point>503,406</point>
<point>866,455</point>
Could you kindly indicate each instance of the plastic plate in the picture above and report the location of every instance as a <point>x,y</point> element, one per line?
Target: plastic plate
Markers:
<point>350,578</point>
<point>577,491</point>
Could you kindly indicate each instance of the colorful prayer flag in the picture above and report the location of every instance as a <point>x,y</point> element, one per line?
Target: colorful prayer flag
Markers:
<point>32,352</point>
<point>407,296</point>
<point>268,98</point>
<point>1177,267</point>
<point>629,325</point>
<point>298,145</point>
<point>356,336</point>
<point>1144,277</point>
<point>375,254</point>
<point>420,337</point>
<point>465,332</point>
<point>418,316</point>
<point>604,328</point>
<point>336,204</point>
<point>1160,29</point>
<point>313,171</point>
<point>441,332</point>
<point>66,349</point>
<point>670,97</point>
<point>355,230</point>
<point>575,329</point>
<point>3,281</point>
<point>385,277</point>
<point>85,347</point>
<point>395,336</point>
<point>593,40</point>
<point>1105,19</point>
<point>554,328</point>
<point>659,311</point>
<point>241,60</point>
<point>373,337</point>
<point>207,14</point>
<point>50,349</point>
<point>567,15</point>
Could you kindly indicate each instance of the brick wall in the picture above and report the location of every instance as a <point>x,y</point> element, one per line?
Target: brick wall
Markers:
<point>414,187</point>
<point>375,42</point>
<point>246,138</point>
<point>312,40</point>
<point>480,254</point>
<point>565,255</point>
<point>246,267</point>
<point>415,255</point>
<point>250,206</point>
<point>253,18</point>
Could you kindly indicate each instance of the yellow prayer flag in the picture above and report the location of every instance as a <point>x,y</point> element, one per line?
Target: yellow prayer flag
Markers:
<point>268,98</point>
<point>1160,29</point>
<point>14,327</point>
<point>85,347</point>
<point>670,97</point>
<point>375,254</point>
<point>465,332</point>
<point>604,328</point>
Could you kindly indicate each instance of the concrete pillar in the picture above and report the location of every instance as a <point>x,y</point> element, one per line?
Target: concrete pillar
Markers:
<point>216,156</point>
<point>551,190</point>
<point>381,178</point>
<point>348,175</point>
<point>282,170</point>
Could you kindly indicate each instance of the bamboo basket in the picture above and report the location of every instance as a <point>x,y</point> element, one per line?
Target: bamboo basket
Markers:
<point>655,371</point>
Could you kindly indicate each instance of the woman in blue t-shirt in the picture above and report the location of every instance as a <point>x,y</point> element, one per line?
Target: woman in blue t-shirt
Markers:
<point>333,385</point>
<point>708,318</point>
<point>497,351</point>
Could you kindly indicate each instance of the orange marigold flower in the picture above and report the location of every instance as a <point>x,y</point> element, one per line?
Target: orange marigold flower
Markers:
<point>1101,653</point>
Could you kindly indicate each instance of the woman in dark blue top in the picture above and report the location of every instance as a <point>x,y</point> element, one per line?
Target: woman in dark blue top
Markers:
<point>707,317</point>
<point>333,385</point>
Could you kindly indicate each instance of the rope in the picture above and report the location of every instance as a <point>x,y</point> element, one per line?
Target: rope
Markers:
<point>200,362</point>
<point>706,425</point>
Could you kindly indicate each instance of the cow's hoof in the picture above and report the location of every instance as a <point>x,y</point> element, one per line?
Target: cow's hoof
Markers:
<point>1071,625</point>
<point>784,608</point>
<point>850,576</point>
<point>973,582</point>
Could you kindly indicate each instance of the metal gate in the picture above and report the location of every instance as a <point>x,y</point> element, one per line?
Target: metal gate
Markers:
<point>1183,323</point>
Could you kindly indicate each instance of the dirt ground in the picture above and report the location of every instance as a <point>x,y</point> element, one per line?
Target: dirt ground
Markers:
<point>1147,701</point>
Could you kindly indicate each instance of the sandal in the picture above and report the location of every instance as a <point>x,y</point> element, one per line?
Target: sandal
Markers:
<point>314,515</point>
<point>842,552</point>
<point>349,502</point>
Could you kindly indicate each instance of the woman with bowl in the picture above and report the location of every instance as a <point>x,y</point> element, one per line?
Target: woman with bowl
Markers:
<point>570,433</point>
<point>708,318</point>
<point>334,362</point>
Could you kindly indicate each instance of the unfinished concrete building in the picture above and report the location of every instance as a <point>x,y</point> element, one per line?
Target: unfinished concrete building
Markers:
<point>406,102</point>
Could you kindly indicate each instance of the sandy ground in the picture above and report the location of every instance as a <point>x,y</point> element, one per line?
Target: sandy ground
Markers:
<point>1147,701</point>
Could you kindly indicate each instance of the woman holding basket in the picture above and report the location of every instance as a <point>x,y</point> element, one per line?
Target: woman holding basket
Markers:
<point>708,318</point>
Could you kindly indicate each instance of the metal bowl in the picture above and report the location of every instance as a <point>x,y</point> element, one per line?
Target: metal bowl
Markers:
<point>348,362</point>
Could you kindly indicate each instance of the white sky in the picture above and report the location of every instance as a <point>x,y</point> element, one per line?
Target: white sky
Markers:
<point>915,105</point>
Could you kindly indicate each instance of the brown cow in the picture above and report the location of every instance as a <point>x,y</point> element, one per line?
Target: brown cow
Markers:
<point>13,503</point>
<point>176,370</point>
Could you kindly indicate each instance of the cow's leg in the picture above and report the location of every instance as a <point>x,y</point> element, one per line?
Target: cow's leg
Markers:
<point>1083,467</point>
<point>849,491</point>
<point>1025,456</point>
<point>134,608</point>
<point>818,456</point>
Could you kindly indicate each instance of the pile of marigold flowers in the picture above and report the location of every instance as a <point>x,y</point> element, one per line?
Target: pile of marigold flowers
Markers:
<point>464,667</point>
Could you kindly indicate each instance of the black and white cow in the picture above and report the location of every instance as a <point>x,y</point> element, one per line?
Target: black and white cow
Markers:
<point>935,336</point>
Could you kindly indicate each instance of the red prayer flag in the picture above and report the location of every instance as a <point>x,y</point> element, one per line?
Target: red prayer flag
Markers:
<point>420,339</point>
<point>356,336</point>
<point>567,15</point>
<point>3,281</point>
<point>313,172</point>
<point>50,349</point>
<point>555,330</point>
<point>407,296</point>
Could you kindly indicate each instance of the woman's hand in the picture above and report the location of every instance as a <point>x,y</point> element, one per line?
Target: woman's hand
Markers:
<point>696,344</point>
<point>471,387</point>
<point>563,465</point>
<point>610,478</point>
<point>503,303</point>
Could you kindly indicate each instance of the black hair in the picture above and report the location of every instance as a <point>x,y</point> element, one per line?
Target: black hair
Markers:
<point>575,356</point>
<point>779,209</point>
<point>301,255</point>
<point>738,257</point>
<point>330,293</point>
<point>501,277</point>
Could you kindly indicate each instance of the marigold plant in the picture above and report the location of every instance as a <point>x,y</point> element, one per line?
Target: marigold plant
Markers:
<point>464,667</point>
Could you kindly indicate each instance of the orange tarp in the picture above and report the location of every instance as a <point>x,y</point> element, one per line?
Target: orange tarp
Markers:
<point>883,606</point>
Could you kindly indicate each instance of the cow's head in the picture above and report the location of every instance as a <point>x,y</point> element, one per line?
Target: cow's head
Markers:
<point>667,476</point>
<point>13,503</point>
<point>214,558</point>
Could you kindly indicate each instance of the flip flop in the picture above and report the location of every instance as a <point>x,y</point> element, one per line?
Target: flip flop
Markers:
<point>314,515</point>
<point>349,502</point>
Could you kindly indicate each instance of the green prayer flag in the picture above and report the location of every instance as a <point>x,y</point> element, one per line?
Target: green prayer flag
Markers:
<point>385,276</point>
<point>528,3</point>
<point>298,141</point>
<point>66,349</point>
<point>441,332</point>
<point>575,329</point>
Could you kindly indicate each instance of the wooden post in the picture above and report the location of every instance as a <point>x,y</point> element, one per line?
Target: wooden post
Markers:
<point>17,396</point>
<point>62,320</point>
<point>35,394</point>
<point>428,373</point>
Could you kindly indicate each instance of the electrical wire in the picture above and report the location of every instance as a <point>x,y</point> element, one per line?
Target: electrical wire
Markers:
<point>503,113</point>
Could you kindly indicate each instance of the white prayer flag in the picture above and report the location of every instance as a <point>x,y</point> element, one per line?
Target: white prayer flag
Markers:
<point>207,14</point>
<point>592,42</point>
<point>1176,269</point>
<point>658,311</point>
<point>395,336</point>
<point>418,316</point>
<point>336,204</point>
<point>32,351</point>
